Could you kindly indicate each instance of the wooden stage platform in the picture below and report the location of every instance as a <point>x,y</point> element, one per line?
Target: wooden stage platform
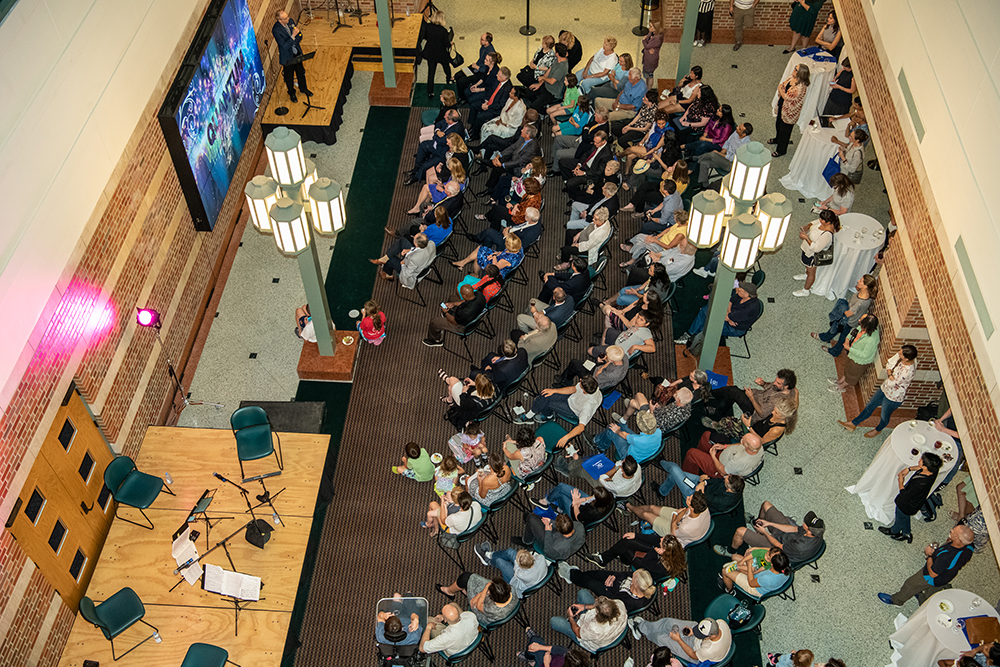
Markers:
<point>329,73</point>
<point>140,559</point>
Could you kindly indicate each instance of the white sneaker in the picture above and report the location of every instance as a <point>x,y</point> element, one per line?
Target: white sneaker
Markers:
<point>801,276</point>
<point>695,43</point>
<point>801,292</point>
<point>635,631</point>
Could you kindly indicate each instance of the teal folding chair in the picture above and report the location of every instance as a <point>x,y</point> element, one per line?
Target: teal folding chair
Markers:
<point>254,436</point>
<point>206,655</point>
<point>116,615</point>
<point>130,487</point>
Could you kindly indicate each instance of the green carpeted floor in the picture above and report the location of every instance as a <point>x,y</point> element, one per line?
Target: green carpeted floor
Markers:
<point>350,277</point>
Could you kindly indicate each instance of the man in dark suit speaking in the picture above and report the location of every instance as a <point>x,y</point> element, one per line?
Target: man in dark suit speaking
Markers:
<point>288,38</point>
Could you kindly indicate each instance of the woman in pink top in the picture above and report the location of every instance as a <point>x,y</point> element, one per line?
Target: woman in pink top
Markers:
<point>716,132</point>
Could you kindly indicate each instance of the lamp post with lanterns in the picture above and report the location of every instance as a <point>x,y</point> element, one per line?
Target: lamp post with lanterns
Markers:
<point>291,206</point>
<point>747,222</point>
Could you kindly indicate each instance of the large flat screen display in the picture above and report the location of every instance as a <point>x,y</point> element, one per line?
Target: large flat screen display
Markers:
<point>207,115</point>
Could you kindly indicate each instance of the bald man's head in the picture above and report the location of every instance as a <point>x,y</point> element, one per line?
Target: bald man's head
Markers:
<point>961,536</point>
<point>451,613</point>
<point>468,294</point>
<point>751,442</point>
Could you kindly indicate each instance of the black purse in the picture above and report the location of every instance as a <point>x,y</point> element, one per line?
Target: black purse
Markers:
<point>456,59</point>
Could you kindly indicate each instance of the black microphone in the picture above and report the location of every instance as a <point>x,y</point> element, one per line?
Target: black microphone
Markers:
<point>189,563</point>
<point>221,477</point>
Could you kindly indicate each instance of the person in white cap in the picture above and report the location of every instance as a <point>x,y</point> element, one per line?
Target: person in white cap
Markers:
<point>707,642</point>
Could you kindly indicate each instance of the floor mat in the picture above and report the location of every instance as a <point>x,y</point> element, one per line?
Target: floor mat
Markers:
<point>292,416</point>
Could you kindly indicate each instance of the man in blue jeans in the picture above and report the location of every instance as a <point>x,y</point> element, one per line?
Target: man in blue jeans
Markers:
<point>899,373</point>
<point>642,446</point>
<point>723,494</point>
<point>741,313</point>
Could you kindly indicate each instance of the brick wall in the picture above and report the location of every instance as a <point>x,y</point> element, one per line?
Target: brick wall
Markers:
<point>140,249</point>
<point>920,245</point>
<point>770,22</point>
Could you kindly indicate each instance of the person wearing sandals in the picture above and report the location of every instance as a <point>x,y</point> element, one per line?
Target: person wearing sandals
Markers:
<point>491,600</point>
<point>526,449</point>
<point>469,445</point>
<point>456,513</point>
<point>816,237</point>
<point>466,398</point>
<point>658,282</point>
<point>539,654</point>
<point>791,97</point>
<point>632,589</point>
<point>758,572</point>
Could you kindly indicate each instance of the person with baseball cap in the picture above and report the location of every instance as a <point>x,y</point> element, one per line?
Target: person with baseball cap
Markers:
<point>771,528</point>
<point>704,643</point>
<point>743,310</point>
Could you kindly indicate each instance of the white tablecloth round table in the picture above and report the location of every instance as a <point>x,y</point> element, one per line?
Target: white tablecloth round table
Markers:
<point>877,488</point>
<point>813,152</point>
<point>854,250</point>
<point>923,640</point>
<point>820,76</point>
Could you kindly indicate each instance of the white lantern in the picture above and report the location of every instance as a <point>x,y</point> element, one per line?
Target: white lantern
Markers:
<point>262,192</point>
<point>284,154</point>
<point>728,199</point>
<point>748,178</point>
<point>708,213</point>
<point>291,230</point>
<point>311,177</point>
<point>740,243</point>
<point>774,213</point>
<point>327,202</point>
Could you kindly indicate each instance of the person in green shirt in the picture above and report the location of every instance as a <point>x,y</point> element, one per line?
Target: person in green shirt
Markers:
<point>417,464</point>
<point>862,348</point>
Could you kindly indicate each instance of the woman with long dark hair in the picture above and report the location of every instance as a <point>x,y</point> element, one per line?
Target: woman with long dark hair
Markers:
<point>816,237</point>
<point>716,132</point>
<point>847,313</point>
<point>699,112</point>
<point>862,348</point>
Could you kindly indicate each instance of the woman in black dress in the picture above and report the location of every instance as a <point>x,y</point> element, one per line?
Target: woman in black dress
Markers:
<point>437,50</point>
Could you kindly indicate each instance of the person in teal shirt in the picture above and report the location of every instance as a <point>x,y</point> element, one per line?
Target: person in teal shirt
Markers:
<point>417,464</point>
<point>862,348</point>
<point>641,446</point>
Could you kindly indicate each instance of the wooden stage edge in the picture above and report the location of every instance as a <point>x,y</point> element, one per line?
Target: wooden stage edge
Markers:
<point>329,73</point>
<point>140,559</point>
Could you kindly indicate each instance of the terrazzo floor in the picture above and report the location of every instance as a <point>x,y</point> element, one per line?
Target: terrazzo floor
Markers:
<point>251,352</point>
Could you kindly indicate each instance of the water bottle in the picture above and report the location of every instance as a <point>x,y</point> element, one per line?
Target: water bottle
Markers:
<point>275,518</point>
<point>156,637</point>
<point>166,476</point>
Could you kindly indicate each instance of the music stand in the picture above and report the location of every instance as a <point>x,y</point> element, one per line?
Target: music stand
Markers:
<point>224,543</point>
<point>266,497</point>
<point>356,12</point>
<point>260,526</point>
<point>239,604</point>
<point>201,508</point>
<point>339,24</point>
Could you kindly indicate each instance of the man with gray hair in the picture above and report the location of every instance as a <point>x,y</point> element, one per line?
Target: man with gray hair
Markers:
<point>541,339</point>
<point>558,310</point>
<point>582,212</point>
<point>515,157</point>
<point>630,95</point>
<point>940,567</point>
<point>529,231</point>
<point>491,107</point>
<point>432,151</point>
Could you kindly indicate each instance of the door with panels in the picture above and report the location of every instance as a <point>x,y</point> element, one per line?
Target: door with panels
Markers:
<point>63,513</point>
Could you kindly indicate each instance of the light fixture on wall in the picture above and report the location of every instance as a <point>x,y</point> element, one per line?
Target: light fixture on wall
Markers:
<point>149,318</point>
<point>292,206</point>
<point>745,234</point>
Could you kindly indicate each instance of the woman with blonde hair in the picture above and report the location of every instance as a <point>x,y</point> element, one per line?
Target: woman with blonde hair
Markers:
<point>431,116</point>
<point>633,589</point>
<point>433,190</point>
<point>574,50</point>
<point>506,260</point>
<point>466,398</point>
<point>436,51</point>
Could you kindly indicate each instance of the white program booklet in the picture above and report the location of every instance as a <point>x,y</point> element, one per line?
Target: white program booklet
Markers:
<point>183,550</point>
<point>233,584</point>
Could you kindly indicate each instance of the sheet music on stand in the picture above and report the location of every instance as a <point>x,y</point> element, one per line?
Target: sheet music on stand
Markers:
<point>184,550</point>
<point>232,584</point>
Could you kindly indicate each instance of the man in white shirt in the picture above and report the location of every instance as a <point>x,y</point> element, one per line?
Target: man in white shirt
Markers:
<point>708,641</point>
<point>600,65</point>
<point>723,159</point>
<point>453,631</point>
<point>715,460</point>
<point>688,524</point>
<point>577,403</point>
<point>624,480</point>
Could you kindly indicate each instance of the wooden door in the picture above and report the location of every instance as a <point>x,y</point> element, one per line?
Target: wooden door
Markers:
<point>64,511</point>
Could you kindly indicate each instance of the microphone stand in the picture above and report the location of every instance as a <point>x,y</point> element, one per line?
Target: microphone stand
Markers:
<point>225,547</point>
<point>250,507</point>
<point>266,497</point>
<point>356,13</point>
<point>339,24</point>
<point>177,381</point>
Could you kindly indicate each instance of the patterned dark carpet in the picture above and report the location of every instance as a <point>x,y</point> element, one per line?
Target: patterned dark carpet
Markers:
<point>371,545</point>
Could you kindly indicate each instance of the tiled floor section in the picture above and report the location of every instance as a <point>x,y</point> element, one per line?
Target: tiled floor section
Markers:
<point>839,615</point>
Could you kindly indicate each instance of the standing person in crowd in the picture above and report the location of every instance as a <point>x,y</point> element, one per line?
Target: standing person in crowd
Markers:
<point>574,48</point>
<point>816,237</point>
<point>651,45</point>
<point>830,38</point>
<point>791,97</point>
<point>742,12</point>
<point>437,50</point>
<point>899,373</point>
<point>847,313</point>
<point>802,20</point>
<point>703,28</point>
<point>862,348</point>
<point>852,155</point>
<point>288,37</point>
<point>941,566</point>
<point>842,90</point>
<point>912,495</point>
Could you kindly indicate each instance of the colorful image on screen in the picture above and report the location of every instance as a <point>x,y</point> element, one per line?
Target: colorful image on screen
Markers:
<point>221,101</point>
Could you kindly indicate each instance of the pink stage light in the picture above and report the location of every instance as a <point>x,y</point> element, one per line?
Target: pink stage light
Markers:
<point>147,317</point>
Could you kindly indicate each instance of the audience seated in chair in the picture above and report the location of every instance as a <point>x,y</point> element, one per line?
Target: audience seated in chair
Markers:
<point>632,589</point>
<point>390,630</point>
<point>559,310</point>
<point>587,241</point>
<point>663,557</point>
<point>574,404</point>
<point>723,494</point>
<point>670,405</point>
<point>610,369</point>
<point>593,623</point>
<point>774,529</point>
<point>528,231</point>
<point>741,313</point>
<point>715,460</point>
<point>703,643</point>
<point>456,513</point>
<point>556,539</point>
<point>688,524</point>
<point>506,260</point>
<point>520,568</point>
<point>491,483</point>
<point>759,572</point>
<point>433,151</point>
<point>539,340</point>
<point>505,366</point>
<point>624,479</point>
<point>455,316</point>
<point>452,631</point>
<point>618,441</point>
<point>578,505</point>
<point>491,600</point>
<point>575,282</point>
<point>407,259</point>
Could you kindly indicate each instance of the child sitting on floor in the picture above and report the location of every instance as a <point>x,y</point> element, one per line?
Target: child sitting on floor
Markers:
<point>446,474</point>
<point>417,464</point>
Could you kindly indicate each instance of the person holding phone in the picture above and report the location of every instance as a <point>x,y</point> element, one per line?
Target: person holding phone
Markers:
<point>706,642</point>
